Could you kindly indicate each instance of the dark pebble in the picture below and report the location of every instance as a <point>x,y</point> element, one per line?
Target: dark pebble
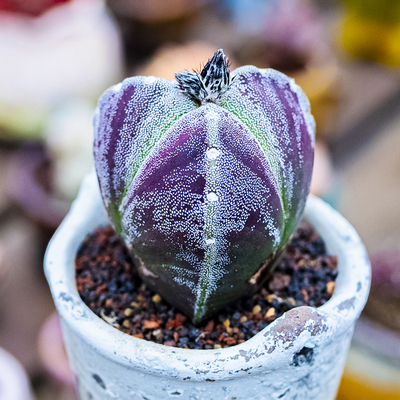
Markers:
<point>248,325</point>
<point>193,333</point>
<point>183,332</point>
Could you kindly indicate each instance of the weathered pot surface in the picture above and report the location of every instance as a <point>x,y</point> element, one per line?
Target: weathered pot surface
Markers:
<point>299,356</point>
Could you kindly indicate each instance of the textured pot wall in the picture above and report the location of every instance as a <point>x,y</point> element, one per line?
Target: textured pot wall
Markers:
<point>311,373</point>
<point>299,356</point>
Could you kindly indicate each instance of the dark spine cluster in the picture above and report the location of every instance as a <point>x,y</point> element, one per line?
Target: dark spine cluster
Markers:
<point>210,84</point>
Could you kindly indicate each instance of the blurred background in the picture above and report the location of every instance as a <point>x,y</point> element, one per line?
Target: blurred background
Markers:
<point>58,56</point>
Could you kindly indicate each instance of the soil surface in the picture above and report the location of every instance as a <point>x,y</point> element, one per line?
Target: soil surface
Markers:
<point>109,284</point>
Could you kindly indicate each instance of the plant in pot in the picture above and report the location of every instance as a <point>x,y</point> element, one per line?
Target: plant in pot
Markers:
<point>206,179</point>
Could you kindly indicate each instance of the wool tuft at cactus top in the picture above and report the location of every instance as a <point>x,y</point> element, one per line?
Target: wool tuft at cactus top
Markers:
<point>205,178</point>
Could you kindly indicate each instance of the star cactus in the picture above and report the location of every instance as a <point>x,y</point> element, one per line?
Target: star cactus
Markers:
<point>205,177</point>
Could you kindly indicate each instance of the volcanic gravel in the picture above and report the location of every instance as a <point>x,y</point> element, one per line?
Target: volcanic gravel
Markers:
<point>109,284</point>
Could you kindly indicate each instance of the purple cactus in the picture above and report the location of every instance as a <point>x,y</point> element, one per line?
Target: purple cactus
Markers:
<point>205,177</point>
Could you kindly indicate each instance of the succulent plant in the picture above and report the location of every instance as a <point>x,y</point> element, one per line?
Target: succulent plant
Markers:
<point>205,177</point>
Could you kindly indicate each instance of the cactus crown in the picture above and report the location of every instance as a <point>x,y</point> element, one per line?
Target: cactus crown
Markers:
<point>205,187</point>
<point>210,84</point>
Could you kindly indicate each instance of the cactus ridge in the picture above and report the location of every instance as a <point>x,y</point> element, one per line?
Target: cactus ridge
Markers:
<point>130,118</point>
<point>275,131</point>
<point>204,192</point>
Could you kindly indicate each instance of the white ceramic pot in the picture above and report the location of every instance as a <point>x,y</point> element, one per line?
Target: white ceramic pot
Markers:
<point>299,356</point>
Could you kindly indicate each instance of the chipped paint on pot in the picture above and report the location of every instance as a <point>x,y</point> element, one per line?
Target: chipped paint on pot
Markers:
<point>299,356</point>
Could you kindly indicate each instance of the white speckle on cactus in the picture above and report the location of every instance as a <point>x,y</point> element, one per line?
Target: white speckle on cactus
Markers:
<point>289,182</point>
<point>212,153</point>
<point>275,233</point>
<point>184,282</point>
<point>182,276</point>
<point>212,115</point>
<point>212,197</point>
<point>149,80</point>
<point>210,241</point>
<point>117,87</point>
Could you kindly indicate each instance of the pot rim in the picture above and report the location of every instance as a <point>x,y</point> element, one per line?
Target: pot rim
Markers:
<point>298,328</point>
